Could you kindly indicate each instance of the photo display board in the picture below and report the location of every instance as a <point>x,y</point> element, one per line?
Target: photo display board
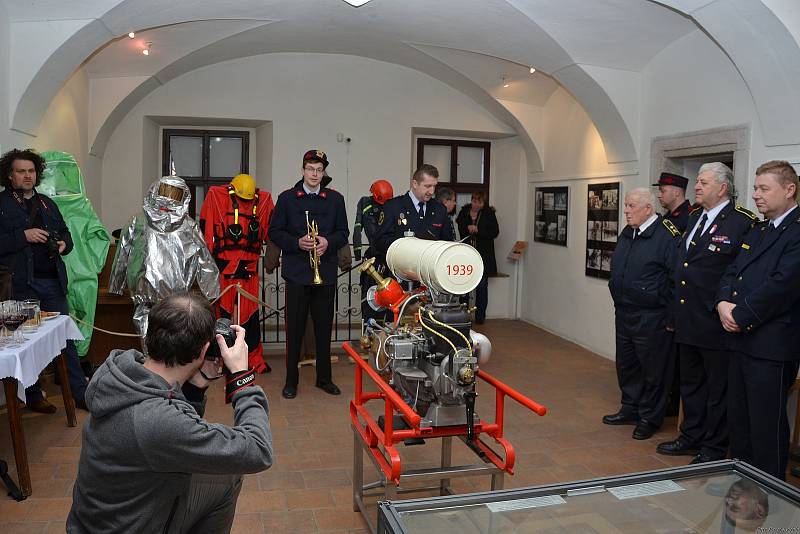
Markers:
<point>602,228</point>
<point>552,214</point>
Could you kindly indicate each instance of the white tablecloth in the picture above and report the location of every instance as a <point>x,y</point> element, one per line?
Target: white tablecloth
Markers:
<point>26,361</point>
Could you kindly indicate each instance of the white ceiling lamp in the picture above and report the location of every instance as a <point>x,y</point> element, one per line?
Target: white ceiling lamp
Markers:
<point>356,3</point>
<point>131,34</point>
<point>146,50</point>
<point>505,83</point>
<point>533,69</point>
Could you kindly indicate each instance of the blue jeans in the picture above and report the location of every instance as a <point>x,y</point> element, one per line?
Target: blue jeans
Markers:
<point>51,298</point>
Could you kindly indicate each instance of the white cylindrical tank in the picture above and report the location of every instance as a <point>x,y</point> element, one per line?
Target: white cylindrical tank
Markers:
<point>445,266</point>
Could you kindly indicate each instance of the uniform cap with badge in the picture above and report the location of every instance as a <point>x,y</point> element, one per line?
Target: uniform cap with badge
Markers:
<point>316,156</point>
<point>668,178</point>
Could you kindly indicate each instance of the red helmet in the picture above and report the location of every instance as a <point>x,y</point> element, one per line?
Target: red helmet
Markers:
<point>381,191</point>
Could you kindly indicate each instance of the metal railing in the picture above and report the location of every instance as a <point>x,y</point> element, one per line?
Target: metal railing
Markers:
<point>347,307</point>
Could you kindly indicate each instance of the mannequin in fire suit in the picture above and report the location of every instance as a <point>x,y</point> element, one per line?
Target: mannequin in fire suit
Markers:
<point>234,220</point>
<point>162,252</point>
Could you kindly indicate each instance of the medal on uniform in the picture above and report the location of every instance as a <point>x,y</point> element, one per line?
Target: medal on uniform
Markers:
<point>402,220</point>
<point>713,229</point>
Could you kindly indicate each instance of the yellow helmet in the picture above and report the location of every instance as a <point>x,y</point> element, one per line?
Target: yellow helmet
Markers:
<point>244,186</point>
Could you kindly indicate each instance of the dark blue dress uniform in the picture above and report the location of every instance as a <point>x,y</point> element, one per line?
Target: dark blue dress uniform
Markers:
<point>400,215</point>
<point>641,287</point>
<point>764,284</point>
<point>698,331</point>
<point>287,226</point>
<point>680,216</point>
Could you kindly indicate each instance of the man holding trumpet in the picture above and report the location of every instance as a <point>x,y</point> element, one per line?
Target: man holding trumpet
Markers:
<point>309,265</point>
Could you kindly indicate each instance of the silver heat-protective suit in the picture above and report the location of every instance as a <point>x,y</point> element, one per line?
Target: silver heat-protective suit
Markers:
<point>162,251</point>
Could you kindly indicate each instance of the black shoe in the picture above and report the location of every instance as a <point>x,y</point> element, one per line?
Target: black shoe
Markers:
<point>289,392</point>
<point>677,447</point>
<point>42,406</point>
<point>644,430</point>
<point>620,418</point>
<point>329,388</point>
<point>703,458</point>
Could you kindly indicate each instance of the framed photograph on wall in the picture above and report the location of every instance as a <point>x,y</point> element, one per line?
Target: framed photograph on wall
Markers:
<point>551,215</point>
<point>602,228</point>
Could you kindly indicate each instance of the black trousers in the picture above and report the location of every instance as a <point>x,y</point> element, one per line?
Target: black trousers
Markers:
<point>704,390</point>
<point>299,300</point>
<point>644,363</point>
<point>759,429</point>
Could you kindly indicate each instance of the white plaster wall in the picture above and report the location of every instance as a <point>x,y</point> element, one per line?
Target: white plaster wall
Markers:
<point>556,294</point>
<point>692,85</point>
<point>5,47</point>
<point>64,127</point>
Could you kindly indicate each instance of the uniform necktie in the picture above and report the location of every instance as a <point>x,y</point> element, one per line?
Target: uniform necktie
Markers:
<point>701,226</point>
<point>635,233</point>
<point>421,210</point>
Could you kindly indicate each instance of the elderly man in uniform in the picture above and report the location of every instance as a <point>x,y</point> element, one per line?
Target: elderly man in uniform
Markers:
<point>759,306</point>
<point>309,201</point>
<point>672,197</point>
<point>416,211</point>
<point>709,246</point>
<point>641,286</point>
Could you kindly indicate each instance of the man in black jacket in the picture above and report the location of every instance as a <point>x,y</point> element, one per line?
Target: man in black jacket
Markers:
<point>288,229</point>
<point>641,287</point>
<point>759,306</point>
<point>33,237</point>
<point>710,245</point>
<point>416,211</point>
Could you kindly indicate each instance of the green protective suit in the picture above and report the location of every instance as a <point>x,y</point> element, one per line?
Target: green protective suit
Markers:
<point>62,181</point>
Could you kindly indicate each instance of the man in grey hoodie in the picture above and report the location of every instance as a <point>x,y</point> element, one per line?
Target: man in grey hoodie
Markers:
<point>149,461</point>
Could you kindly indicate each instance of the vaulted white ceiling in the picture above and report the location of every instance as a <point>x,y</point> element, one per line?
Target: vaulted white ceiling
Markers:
<point>469,44</point>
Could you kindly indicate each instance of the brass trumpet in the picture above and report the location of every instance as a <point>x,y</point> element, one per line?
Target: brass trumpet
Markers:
<point>313,254</point>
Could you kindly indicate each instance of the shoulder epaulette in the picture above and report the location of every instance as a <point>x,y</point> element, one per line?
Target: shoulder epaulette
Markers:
<point>671,227</point>
<point>745,211</point>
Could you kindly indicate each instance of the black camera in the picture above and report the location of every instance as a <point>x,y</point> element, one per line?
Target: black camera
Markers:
<point>223,328</point>
<point>52,244</point>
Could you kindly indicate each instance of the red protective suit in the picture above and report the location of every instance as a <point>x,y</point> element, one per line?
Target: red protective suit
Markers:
<point>237,257</point>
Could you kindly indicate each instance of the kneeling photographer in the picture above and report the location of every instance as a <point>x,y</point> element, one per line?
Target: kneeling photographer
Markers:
<point>149,461</point>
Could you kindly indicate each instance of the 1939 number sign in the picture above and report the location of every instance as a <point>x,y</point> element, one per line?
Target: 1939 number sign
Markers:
<point>459,270</point>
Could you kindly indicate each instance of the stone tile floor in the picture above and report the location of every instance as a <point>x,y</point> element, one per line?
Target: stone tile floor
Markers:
<point>309,489</point>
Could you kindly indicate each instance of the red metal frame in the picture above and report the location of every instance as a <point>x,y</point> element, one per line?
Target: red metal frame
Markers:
<point>376,437</point>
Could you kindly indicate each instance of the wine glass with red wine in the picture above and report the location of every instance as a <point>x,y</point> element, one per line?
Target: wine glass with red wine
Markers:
<point>5,339</point>
<point>15,315</point>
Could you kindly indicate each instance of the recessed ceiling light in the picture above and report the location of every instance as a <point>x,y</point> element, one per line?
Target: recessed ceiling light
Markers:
<point>533,69</point>
<point>146,50</point>
<point>131,35</point>
<point>356,3</point>
<point>505,83</point>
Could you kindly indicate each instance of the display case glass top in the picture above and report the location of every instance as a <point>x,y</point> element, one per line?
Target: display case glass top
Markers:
<point>725,496</point>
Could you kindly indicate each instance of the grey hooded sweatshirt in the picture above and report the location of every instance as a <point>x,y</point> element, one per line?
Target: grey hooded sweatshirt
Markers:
<point>144,440</point>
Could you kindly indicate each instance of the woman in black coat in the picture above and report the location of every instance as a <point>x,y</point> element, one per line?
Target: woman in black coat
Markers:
<point>479,222</point>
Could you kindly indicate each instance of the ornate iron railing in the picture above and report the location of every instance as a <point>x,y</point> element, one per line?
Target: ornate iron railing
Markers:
<point>347,306</point>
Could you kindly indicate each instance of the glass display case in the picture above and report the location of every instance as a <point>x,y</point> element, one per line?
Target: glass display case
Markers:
<point>725,496</point>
